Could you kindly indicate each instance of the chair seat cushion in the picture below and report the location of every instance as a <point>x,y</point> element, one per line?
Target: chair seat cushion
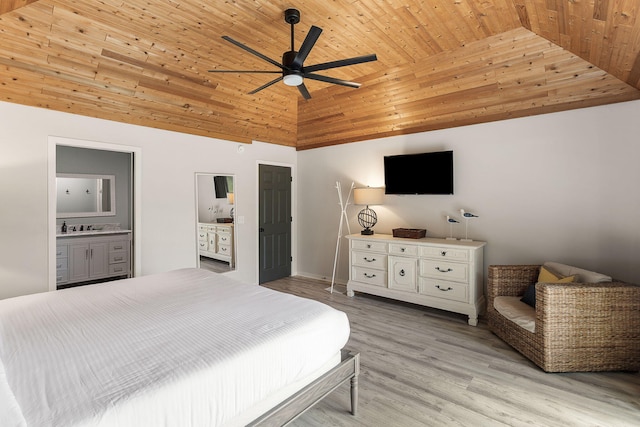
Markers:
<point>517,311</point>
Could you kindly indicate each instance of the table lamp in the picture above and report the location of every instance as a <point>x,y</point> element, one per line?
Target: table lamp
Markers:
<point>367,217</point>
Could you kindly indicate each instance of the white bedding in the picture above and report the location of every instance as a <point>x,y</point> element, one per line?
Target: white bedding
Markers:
<point>184,348</point>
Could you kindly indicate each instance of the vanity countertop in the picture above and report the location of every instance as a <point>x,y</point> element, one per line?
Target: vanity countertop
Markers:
<point>91,233</point>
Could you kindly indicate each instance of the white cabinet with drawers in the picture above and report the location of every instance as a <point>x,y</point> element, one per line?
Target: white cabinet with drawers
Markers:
<point>438,273</point>
<point>215,240</point>
<point>87,258</point>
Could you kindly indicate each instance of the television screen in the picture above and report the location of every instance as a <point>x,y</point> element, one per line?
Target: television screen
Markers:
<point>425,173</point>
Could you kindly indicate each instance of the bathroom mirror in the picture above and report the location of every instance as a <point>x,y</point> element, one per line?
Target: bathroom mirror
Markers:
<point>215,233</point>
<point>84,195</point>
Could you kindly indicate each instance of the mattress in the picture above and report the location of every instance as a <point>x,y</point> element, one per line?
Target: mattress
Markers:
<point>183,348</point>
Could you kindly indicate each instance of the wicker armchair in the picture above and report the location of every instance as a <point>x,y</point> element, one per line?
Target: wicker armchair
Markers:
<point>578,326</point>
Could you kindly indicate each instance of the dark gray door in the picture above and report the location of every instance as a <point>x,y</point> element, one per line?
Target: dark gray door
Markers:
<point>275,222</point>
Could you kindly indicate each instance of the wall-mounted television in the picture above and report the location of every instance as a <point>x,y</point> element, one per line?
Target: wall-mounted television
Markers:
<point>424,173</point>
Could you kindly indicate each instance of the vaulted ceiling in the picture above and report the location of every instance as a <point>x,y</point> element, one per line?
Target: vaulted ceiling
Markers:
<point>441,63</point>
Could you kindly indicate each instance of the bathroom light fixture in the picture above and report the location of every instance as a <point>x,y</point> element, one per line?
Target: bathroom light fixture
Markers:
<point>367,218</point>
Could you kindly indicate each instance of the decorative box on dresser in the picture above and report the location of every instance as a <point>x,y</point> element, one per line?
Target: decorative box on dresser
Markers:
<point>439,273</point>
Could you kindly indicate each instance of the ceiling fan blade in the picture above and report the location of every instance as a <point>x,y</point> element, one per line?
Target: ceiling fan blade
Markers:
<point>341,63</point>
<point>253,52</point>
<point>264,86</point>
<point>331,80</point>
<point>304,92</point>
<point>245,71</point>
<point>307,44</point>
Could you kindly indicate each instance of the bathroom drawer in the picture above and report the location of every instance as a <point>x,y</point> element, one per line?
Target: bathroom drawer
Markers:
<point>120,268</point>
<point>369,260</point>
<point>62,264</point>
<point>118,246</point>
<point>62,251</point>
<point>62,276</point>
<point>117,257</point>
<point>370,276</point>
<point>369,245</point>
<point>444,270</point>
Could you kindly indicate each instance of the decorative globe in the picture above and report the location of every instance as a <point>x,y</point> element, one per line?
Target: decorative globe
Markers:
<point>367,218</point>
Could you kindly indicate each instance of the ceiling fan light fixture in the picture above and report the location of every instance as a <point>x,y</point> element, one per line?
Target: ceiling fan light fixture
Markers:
<point>292,79</point>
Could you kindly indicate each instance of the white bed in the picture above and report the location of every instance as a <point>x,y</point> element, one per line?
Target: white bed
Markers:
<point>184,348</point>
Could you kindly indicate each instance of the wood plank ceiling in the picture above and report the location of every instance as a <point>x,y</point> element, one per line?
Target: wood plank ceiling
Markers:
<point>441,63</point>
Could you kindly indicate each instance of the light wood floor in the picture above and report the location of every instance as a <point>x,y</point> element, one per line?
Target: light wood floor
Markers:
<point>426,367</point>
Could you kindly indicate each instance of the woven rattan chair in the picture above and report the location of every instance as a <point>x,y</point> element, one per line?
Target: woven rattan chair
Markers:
<point>578,326</point>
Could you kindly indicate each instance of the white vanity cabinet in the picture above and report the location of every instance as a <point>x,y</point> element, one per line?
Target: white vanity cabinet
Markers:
<point>84,257</point>
<point>215,240</point>
<point>439,273</point>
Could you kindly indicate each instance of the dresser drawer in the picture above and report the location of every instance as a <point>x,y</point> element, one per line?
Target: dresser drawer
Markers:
<point>369,246</point>
<point>444,270</point>
<point>444,253</point>
<point>401,249</point>
<point>370,276</point>
<point>369,260</point>
<point>443,289</point>
<point>224,249</point>
<point>224,238</point>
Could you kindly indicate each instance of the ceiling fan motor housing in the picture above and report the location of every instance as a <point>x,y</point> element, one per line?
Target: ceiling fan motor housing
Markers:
<point>292,16</point>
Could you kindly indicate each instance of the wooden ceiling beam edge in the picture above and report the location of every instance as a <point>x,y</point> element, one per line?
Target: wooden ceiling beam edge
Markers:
<point>7,6</point>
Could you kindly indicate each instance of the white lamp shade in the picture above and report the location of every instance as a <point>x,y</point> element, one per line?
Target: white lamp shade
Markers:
<point>230,198</point>
<point>368,196</point>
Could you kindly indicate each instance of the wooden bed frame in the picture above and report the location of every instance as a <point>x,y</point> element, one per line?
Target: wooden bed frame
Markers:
<point>299,403</point>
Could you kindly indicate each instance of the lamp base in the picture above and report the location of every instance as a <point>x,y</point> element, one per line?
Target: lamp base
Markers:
<point>367,232</point>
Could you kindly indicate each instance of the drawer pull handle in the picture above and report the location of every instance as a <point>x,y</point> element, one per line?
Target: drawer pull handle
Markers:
<point>402,249</point>
<point>368,246</point>
<point>443,253</point>
<point>401,273</point>
<point>369,276</point>
<point>444,290</point>
<point>369,260</point>
<point>116,248</point>
<point>118,258</point>
<point>443,271</point>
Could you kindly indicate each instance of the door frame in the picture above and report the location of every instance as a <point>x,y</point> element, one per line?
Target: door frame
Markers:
<point>294,212</point>
<point>136,213</point>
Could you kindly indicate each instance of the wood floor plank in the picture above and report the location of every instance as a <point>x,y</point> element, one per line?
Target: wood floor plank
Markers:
<point>426,367</point>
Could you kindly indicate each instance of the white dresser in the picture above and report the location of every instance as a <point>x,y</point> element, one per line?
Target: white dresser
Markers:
<point>215,240</point>
<point>439,273</point>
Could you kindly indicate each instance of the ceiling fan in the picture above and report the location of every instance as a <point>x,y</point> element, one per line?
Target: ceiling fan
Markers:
<point>292,67</point>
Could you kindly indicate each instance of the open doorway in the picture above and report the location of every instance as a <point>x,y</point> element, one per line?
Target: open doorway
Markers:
<point>86,155</point>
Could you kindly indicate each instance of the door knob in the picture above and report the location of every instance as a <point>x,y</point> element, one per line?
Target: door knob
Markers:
<point>261,230</point>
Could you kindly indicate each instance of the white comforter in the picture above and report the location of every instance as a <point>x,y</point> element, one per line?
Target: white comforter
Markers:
<point>184,348</point>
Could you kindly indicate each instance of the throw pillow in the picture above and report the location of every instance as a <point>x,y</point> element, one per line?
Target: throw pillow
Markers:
<point>545,276</point>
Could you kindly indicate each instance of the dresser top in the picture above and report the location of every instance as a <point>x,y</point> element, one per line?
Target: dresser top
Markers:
<point>427,241</point>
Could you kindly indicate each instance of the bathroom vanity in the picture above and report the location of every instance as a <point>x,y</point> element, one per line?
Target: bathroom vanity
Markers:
<point>91,256</point>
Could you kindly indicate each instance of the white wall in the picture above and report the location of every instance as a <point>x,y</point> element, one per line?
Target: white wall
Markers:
<point>560,187</point>
<point>168,212</point>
